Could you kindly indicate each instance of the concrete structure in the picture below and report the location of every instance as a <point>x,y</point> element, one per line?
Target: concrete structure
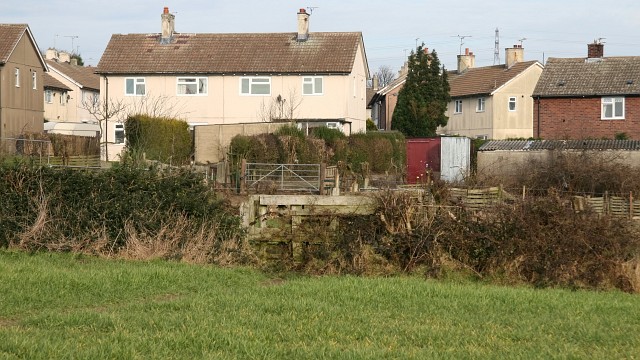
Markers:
<point>22,71</point>
<point>509,158</point>
<point>316,78</point>
<point>492,102</point>
<point>592,97</point>
<point>211,142</point>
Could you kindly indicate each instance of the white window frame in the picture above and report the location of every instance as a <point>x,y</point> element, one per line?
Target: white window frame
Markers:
<point>252,82</point>
<point>201,84</point>
<point>34,80</point>
<point>48,96</point>
<point>457,107</point>
<point>63,98</point>
<point>313,82</point>
<point>118,128</point>
<point>512,100</point>
<point>480,105</point>
<point>136,81</point>
<point>610,102</point>
<point>17,77</point>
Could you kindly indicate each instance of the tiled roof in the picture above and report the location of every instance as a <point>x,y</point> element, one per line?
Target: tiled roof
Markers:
<point>84,75</point>
<point>10,34</point>
<point>590,77</point>
<point>484,80</point>
<point>52,83</point>
<point>531,145</point>
<point>259,53</point>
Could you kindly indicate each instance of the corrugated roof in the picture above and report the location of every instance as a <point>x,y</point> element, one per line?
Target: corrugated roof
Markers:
<point>10,34</point>
<point>530,145</point>
<point>323,52</point>
<point>83,75</point>
<point>52,83</point>
<point>484,80</point>
<point>590,77</point>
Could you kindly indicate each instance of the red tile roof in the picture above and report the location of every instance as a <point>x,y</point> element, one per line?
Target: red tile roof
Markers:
<point>567,77</point>
<point>10,34</point>
<point>83,75</point>
<point>52,83</point>
<point>484,80</point>
<point>259,53</point>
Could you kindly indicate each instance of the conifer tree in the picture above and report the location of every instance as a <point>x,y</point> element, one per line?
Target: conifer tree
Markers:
<point>422,102</point>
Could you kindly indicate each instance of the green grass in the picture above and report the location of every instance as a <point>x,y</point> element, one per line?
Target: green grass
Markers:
<point>70,306</point>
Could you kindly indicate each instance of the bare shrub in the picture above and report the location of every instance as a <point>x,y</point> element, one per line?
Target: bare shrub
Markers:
<point>585,172</point>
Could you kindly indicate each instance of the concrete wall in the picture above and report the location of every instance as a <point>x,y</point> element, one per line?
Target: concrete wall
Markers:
<point>511,163</point>
<point>579,118</point>
<point>22,108</point>
<point>211,142</point>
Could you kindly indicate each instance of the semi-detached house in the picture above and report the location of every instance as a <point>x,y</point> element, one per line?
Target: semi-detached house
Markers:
<point>315,78</point>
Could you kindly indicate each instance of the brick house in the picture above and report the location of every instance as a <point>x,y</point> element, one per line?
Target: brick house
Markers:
<point>594,97</point>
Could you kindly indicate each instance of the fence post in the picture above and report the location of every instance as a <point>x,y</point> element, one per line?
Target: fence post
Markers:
<point>524,191</point>
<point>630,204</point>
<point>321,177</point>
<point>243,171</point>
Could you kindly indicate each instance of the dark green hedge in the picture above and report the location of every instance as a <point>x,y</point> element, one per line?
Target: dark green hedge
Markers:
<point>79,202</point>
<point>165,140</point>
<point>382,150</point>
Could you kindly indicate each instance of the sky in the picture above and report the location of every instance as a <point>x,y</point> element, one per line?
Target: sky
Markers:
<point>391,29</point>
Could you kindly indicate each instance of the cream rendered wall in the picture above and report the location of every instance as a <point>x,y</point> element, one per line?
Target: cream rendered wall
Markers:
<point>55,111</point>
<point>75,112</point>
<point>519,123</point>
<point>470,122</point>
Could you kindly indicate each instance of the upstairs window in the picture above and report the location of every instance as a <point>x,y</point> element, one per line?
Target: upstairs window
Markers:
<point>48,96</point>
<point>135,86</point>
<point>312,85</point>
<point>458,107</point>
<point>34,80</point>
<point>192,86</point>
<point>17,77</point>
<point>480,105</point>
<point>612,108</point>
<point>255,86</point>
<point>512,103</point>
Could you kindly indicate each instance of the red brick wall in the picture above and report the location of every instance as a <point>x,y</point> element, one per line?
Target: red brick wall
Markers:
<point>579,118</point>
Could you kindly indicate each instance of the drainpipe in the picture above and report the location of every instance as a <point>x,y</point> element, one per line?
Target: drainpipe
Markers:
<point>106,118</point>
<point>538,106</point>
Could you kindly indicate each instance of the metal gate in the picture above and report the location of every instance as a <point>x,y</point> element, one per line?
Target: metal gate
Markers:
<point>283,177</point>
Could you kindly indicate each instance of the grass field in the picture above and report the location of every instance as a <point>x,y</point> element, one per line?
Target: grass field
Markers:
<point>69,306</point>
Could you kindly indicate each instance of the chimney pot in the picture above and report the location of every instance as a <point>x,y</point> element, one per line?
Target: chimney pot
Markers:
<point>303,25</point>
<point>466,51</point>
<point>166,10</point>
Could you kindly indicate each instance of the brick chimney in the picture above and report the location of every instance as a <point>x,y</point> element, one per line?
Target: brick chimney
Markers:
<point>303,25</point>
<point>514,55</point>
<point>168,25</point>
<point>595,50</point>
<point>466,61</point>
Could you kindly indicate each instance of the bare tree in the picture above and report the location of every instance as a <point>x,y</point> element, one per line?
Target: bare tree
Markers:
<point>385,75</point>
<point>119,110</point>
<point>103,112</point>
<point>280,108</point>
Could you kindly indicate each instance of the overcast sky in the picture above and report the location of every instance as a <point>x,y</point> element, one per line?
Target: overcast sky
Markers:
<point>391,29</point>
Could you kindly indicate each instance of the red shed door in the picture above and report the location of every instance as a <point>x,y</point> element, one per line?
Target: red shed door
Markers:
<point>422,155</point>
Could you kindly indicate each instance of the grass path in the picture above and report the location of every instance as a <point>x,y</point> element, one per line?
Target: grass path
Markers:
<point>66,306</point>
